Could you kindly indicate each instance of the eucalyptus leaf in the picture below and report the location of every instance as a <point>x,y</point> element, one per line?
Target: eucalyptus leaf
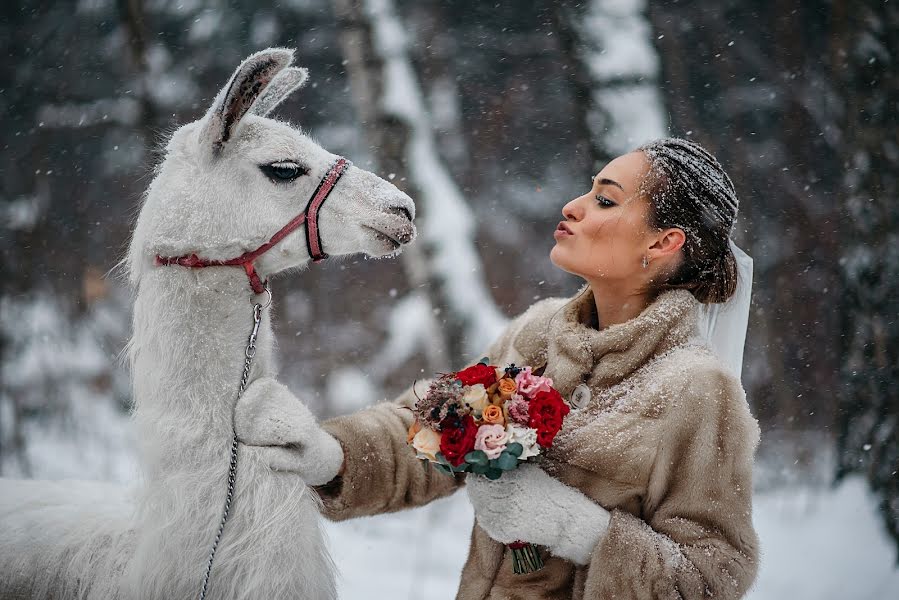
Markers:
<point>444,468</point>
<point>493,473</point>
<point>480,469</point>
<point>476,457</point>
<point>515,449</point>
<point>461,467</point>
<point>506,461</point>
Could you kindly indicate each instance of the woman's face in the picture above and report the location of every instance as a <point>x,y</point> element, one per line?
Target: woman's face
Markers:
<point>605,234</point>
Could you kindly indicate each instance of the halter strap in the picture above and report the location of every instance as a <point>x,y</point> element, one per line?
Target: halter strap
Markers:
<point>309,217</point>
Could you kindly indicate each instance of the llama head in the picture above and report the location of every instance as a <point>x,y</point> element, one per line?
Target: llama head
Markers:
<point>229,181</point>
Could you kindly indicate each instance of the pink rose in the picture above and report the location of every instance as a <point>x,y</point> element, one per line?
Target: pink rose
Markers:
<point>518,410</point>
<point>529,384</point>
<point>492,439</point>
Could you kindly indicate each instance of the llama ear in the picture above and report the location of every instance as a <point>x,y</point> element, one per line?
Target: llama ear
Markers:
<point>250,79</point>
<point>283,85</point>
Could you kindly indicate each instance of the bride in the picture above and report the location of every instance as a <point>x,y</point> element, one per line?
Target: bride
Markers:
<point>647,490</point>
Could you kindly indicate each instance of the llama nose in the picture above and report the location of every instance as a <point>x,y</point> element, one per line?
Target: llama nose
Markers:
<point>406,235</point>
<point>400,211</point>
<point>405,232</point>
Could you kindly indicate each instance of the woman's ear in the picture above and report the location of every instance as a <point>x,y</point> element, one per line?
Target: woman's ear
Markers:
<point>667,243</point>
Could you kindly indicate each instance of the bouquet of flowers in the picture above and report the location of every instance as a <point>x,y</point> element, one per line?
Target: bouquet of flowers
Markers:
<point>486,420</point>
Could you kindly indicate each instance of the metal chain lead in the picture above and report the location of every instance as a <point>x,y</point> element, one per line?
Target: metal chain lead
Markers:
<point>249,353</point>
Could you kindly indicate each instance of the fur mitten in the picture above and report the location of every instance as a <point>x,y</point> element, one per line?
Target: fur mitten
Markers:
<point>286,433</point>
<point>530,506</point>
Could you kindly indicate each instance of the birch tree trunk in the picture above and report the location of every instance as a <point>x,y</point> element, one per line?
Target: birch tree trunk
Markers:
<point>615,74</point>
<point>443,265</point>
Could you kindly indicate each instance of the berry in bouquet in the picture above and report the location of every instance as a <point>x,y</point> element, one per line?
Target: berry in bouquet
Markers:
<point>487,420</point>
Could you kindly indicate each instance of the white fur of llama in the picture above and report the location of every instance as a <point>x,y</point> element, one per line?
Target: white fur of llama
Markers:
<point>214,195</point>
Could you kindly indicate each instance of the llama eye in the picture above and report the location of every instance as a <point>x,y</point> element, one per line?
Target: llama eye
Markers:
<point>283,170</point>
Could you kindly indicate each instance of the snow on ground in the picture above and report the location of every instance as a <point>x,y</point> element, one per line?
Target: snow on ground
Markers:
<point>817,543</point>
<point>417,553</point>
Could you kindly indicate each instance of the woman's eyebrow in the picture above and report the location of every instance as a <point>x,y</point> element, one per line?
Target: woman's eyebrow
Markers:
<point>606,181</point>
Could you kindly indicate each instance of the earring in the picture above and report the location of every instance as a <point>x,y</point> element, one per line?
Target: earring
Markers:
<point>645,262</point>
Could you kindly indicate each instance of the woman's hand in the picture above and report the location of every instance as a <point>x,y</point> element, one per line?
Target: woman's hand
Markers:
<point>281,429</point>
<point>530,506</point>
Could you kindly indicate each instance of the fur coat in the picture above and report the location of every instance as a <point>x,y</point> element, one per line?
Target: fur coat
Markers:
<point>666,443</point>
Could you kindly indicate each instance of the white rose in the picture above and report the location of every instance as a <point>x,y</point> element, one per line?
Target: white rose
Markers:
<point>475,396</point>
<point>427,443</point>
<point>527,437</point>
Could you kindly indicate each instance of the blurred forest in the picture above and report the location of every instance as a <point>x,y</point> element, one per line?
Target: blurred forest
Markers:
<point>520,102</point>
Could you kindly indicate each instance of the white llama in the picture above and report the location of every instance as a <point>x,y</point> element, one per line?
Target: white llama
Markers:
<point>228,183</point>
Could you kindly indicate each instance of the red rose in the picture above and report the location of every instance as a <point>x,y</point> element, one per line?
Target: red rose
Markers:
<point>456,442</point>
<point>546,412</point>
<point>478,373</point>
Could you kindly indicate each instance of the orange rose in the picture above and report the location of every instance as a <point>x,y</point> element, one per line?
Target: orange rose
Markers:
<point>493,415</point>
<point>416,427</point>
<point>507,387</point>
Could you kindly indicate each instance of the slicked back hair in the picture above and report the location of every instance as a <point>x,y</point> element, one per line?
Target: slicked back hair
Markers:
<point>687,188</point>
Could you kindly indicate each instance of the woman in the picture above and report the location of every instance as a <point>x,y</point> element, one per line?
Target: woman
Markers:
<point>646,492</point>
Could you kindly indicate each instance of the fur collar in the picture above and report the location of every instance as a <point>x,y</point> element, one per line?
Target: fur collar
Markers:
<point>574,351</point>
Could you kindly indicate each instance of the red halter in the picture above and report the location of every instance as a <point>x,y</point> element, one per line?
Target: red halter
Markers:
<point>308,216</point>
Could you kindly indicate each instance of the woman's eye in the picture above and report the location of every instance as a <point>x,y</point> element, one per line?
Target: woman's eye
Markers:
<point>603,201</point>
<point>283,170</point>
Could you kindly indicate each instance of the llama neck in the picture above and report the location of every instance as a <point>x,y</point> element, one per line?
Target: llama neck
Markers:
<point>191,328</point>
<point>190,335</point>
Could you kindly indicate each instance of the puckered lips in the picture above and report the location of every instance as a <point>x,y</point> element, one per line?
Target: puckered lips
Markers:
<point>562,231</point>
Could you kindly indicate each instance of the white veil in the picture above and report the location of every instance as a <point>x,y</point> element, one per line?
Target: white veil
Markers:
<point>723,325</point>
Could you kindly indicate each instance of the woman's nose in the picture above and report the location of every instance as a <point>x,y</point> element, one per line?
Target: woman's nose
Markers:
<point>572,211</point>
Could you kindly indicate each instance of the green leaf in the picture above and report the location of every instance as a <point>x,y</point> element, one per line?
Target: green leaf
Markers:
<point>476,457</point>
<point>484,361</point>
<point>515,449</point>
<point>480,469</point>
<point>444,468</point>
<point>506,461</point>
<point>441,459</point>
<point>462,467</point>
<point>493,473</point>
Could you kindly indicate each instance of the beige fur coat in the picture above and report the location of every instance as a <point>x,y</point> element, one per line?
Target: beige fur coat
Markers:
<point>666,443</point>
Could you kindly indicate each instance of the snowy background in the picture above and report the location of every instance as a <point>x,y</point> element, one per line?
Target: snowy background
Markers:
<point>491,116</point>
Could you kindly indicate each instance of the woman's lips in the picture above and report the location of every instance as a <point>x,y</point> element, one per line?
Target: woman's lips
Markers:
<point>562,231</point>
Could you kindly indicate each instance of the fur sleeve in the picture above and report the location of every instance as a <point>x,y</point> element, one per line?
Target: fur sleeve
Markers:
<point>382,473</point>
<point>696,538</point>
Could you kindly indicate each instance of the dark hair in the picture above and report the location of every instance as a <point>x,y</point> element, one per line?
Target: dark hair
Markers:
<point>687,188</point>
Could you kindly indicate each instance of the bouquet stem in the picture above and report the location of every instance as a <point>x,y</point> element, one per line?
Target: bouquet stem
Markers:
<point>525,558</point>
